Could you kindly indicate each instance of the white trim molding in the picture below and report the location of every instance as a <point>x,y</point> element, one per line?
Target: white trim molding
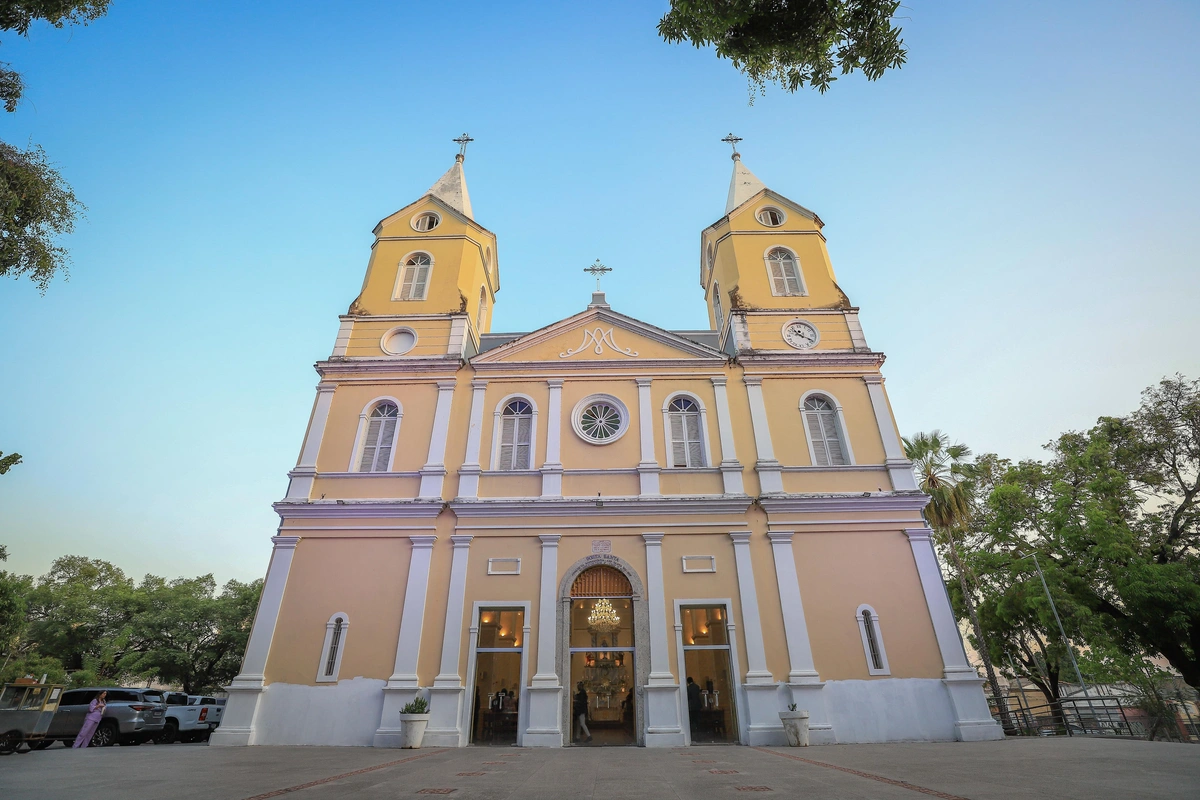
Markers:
<point>703,563</point>
<point>334,646</point>
<point>364,417</point>
<point>581,406</point>
<point>383,340</point>
<point>434,471</point>
<point>496,431</point>
<point>770,475</point>
<point>706,457</point>
<point>873,636</point>
<point>402,267</point>
<point>467,721</point>
<point>468,473</point>
<point>771,279</point>
<point>842,431</point>
<point>552,468</point>
<point>900,469</point>
<point>301,478</point>
<point>494,566</point>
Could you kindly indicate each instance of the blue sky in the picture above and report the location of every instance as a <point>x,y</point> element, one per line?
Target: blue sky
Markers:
<point>1015,212</point>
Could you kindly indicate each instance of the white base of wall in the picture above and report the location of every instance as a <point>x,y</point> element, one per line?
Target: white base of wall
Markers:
<point>445,718</point>
<point>664,727</point>
<point>544,703</point>
<point>810,697</point>
<point>342,713</point>
<point>764,701</point>
<point>890,710</point>
<point>394,699</point>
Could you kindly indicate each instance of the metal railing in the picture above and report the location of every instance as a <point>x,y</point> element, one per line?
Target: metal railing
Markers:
<point>1096,716</point>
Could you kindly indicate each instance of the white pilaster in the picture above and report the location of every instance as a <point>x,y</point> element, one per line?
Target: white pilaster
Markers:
<point>664,727</point>
<point>973,720</point>
<point>468,474</point>
<point>402,687</point>
<point>648,468</point>
<point>770,474</point>
<point>857,339</point>
<point>762,703</point>
<point>552,469</point>
<point>803,680</point>
<point>343,337</point>
<point>899,468</point>
<point>446,695</point>
<point>731,468</point>
<point>434,471</point>
<point>301,478</point>
<point>545,693</point>
<point>237,724</point>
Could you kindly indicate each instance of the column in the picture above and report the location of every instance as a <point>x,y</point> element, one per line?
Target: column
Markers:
<point>302,477</point>
<point>545,693</point>
<point>342,342</point>
<point>237,724</point>
<point>664,726</point>
<point>731,468</point>
<point>468,474</point>
<point>972,719</point>
<point>648,468</point>
<point>804,682</point>
<point>402,687</point>
<point>434,471</point>
<point>552,469</point>
<point>899,468</point>
<point>770,475</point>
<point>446,695</point>
<point>762,694</point>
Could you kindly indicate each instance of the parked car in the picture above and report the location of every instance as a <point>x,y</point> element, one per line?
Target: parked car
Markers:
<point>131,715</point>
<point>190,718</point>
<point>26,710</point>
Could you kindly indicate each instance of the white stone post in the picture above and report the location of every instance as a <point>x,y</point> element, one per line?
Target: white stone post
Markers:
<point>446,695</point>
<point>545,693</point>
<point>402,687</point>
<point>972,719</point>
<point>761,692</point>
<point>468,473</point>
<point>803,680</point>
<point>731,468</point>
<point>900,469</point>
<point>663,720</point>
<point>552,469</point>
<point>648,467</point>
<point>301,478</point>
<point>237,724</point>
<point>434,471</point>
<point>770,474</point>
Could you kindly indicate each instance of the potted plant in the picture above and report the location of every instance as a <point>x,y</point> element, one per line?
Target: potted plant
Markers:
<point>795,724</point>
<point>413,719</point>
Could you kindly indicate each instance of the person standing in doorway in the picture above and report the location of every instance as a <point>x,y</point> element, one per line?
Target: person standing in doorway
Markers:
<point>91,721</point>
<point>580,710</point>
<point>693,693</point>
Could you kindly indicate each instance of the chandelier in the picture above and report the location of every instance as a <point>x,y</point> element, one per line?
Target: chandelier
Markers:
<point>604,617</point>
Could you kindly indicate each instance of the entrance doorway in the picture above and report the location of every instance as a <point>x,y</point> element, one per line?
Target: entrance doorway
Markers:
<point>498,652</point>
<point>601,646</point>
<point>710,687</point>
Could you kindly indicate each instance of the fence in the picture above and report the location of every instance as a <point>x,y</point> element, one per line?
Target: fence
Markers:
<point>1096,716</point>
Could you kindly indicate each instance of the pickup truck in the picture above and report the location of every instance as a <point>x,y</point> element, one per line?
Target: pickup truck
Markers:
<point>190,718</point>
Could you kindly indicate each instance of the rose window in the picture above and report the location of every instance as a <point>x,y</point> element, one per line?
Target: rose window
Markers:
<point>600,421</point>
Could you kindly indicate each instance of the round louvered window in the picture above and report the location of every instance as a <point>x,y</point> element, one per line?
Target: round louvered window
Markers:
<point>600,419</point>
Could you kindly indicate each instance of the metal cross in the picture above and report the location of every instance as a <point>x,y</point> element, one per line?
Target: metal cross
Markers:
<point>597,269</point>
<point>462,142</point>
<point>733,142</point>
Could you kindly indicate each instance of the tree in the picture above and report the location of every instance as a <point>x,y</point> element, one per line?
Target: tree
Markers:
<point>7,462</point>
<point>792,42</point>
<point>36,204</point>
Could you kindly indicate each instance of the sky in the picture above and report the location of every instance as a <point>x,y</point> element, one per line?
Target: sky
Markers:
<point>1014,211</point>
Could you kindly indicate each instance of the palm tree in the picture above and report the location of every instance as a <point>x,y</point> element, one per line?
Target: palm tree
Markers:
<point>942,470</point>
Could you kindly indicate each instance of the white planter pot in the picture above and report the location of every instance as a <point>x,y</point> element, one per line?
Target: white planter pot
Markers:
<point>412,730</point>
<point>795,725</point>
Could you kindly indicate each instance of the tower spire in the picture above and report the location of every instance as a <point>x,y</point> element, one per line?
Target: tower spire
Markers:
<point>744,184</point>
<point>451,188</point>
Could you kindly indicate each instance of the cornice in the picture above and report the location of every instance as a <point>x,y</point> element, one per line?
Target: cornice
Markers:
<point>358,509</point>
<point>626,366</point>
<point>447,366</point>
<point>757,358</point>
<point>864,502</point>
<point>600,506</point>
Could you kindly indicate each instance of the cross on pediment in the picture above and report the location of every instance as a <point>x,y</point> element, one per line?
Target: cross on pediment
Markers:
<point>597,270</point>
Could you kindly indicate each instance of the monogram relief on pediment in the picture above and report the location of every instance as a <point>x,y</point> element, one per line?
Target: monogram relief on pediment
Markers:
<point>597,339</point>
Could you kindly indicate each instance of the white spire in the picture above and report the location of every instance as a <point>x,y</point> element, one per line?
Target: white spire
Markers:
<point>451,189</point>
<point>742,186</point>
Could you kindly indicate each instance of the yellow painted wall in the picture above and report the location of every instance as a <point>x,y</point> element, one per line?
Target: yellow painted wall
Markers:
<point>349,401</point>
<point>782,398</point>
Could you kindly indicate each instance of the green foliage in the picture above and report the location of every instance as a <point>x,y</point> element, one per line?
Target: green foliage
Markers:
<point>417,706</point>
<point>7,462</point>
<point>36,206</point>
<point>792,43</point>
<point>19,16</point>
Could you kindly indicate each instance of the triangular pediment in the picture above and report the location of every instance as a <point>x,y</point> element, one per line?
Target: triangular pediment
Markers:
<point>431,199</point>
<point>774,196</point>
<point>597,334</point>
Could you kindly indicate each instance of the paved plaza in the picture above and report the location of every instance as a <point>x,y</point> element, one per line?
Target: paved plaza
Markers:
<point>1057,768</point>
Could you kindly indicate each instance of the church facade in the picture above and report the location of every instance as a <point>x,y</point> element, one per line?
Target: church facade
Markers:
<point>602,531</point>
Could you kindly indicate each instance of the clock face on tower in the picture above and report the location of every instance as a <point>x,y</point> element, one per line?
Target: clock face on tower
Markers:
<point>800,334</point>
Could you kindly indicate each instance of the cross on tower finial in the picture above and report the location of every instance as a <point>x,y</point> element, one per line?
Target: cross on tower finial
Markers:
<point>597,270</point>
<point>462,142</point>
<point>733,142</point>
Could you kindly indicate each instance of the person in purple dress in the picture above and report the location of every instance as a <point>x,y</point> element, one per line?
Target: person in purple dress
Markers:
<point>95,713</point>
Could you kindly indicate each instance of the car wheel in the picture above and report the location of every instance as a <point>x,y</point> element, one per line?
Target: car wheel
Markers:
<point>9,742</point>
<point>42,745</point>
<point>169,734</point>
<point>105,735</point>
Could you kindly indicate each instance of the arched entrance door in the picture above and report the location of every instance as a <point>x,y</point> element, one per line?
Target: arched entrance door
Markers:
<point>600,624</point>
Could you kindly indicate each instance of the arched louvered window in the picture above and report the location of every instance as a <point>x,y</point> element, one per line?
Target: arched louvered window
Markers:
<point>718,312</point>
<point>332,649</point>
<point>872,639</point>
<point>379,438</point>
<point>480,317</point>
<point>516,436</point>
<point>685,430</point>
<point>824,432</point>
<point>415,279</point>
<point>784,272</point>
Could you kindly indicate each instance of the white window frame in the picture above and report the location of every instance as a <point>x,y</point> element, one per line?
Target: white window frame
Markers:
<point>496,430</point>
<point>782,216</point>
<point>582,405</point>
<point>437,220</point>
<point>467,717</point>
<point>403,267</point>
<point>718,312</point>
<point>741,709</point>
<point>360,437</point>
<point>799,272</point>
<point>706,456</point>
<point>878,631</point>
<point>843,432</point>
<point>383,340</point>
<point>328,643</point>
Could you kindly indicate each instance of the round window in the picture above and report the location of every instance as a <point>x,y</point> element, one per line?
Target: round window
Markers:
<point>399,341</point>
<point>600,419</point>
<point>426,222</point>
<point>771,217</point>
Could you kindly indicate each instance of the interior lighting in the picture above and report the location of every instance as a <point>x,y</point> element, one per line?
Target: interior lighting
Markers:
<point>603,617</point>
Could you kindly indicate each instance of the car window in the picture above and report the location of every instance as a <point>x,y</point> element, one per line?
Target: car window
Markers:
<point>79,697</point>
<point>154,696</point>
<point>118,696</point>
<point>11,697</point>
<point>35,698</point>
<point>177,699</point>
<point>208,701</point>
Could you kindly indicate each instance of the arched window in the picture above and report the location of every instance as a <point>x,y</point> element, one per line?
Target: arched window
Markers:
<point>872,639</point>
<point>685,429</point>
<point>332,649</point>
<point>379,438</point>
<point>824,432</point>
<point>479,318</point>
<point>415,278</point>
<point>718,312</point>
<point>516,436</point>
<point>784,272</point>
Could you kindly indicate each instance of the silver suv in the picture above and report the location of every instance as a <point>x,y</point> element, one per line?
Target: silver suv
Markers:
<point>131,716</point>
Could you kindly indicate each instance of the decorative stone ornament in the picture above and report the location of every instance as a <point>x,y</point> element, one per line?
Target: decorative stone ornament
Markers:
<point>801,335</point>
